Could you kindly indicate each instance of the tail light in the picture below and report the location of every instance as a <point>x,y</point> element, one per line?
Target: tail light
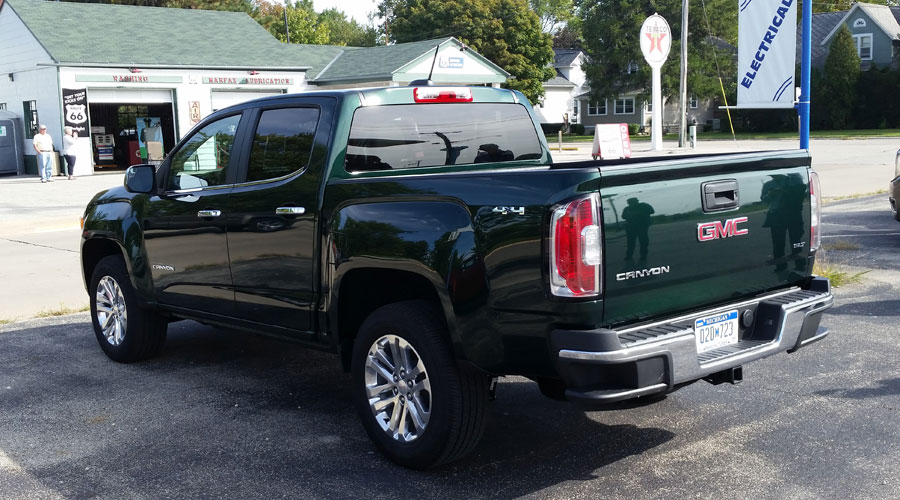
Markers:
<point>576,250</point>
<point>442,94</point>
<point>815,212</point>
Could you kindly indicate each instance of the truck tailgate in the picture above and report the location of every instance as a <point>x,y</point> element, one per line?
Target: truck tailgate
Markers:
<point>694,232</point>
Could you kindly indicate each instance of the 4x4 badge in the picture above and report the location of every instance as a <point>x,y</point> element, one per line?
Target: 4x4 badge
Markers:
<point>506,210</point>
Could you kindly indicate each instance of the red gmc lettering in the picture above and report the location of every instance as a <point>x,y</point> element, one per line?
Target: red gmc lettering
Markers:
<point>715,230</point>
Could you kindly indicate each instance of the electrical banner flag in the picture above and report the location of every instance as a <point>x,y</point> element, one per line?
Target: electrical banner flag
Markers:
<point>767,46</point>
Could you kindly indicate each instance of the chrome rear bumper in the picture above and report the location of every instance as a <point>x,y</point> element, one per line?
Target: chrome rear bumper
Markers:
<point>606,365</point>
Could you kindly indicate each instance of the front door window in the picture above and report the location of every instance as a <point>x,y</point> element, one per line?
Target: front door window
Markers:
<point>203,160</point>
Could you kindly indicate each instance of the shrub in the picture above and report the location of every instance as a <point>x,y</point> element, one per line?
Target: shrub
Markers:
<point>633,128</point>
<point>577,128</point>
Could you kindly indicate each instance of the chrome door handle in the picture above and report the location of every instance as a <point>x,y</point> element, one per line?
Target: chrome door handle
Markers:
<point>209,213</point>
<point>290,211</point>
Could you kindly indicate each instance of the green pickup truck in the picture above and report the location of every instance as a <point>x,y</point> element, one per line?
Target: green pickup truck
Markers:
<point>425,235</point>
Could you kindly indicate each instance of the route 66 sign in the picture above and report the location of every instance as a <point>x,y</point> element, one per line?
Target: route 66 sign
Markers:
<point>75,113</point>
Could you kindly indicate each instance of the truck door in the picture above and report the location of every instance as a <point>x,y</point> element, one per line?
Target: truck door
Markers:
<point>272,237</point>
<point>185,227</point>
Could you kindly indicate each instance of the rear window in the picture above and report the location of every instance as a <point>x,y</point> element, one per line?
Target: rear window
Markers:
<point>431,135</point>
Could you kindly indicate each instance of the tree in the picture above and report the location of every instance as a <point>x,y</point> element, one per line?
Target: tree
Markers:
<point>506,32</point>
<point>343,31</point>
<point>567,38</point>
<point>611,30</point>
<point>841,74</point>
<point>554,14</point>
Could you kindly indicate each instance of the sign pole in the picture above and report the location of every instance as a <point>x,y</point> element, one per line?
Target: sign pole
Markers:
<point>656,40</point>
<point>682,123</point>
<point>805,73</point>
<point>656,116</point>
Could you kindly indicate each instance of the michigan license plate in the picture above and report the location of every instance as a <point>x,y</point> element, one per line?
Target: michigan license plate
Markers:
<point>718,330</point>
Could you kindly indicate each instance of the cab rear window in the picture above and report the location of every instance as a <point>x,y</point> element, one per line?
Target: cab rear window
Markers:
<point>431,135</point>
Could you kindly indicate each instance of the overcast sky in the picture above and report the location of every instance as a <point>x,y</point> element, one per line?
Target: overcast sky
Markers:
<point>355,9</point>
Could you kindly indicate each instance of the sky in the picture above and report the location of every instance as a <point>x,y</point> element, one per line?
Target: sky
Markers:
<point>355,9</point>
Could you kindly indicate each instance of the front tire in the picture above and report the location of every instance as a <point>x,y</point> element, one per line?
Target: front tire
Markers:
<point>419,406</point>
<point>126,332</point>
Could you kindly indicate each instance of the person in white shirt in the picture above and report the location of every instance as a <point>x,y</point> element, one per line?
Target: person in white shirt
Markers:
<point>69,151</point>
<point>43,147</point>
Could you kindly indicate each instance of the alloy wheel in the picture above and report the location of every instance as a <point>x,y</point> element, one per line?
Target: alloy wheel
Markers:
<point>112,314</point>
<point>398,388</point>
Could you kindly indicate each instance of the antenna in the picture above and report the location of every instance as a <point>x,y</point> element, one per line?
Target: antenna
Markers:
<point>427,82</point>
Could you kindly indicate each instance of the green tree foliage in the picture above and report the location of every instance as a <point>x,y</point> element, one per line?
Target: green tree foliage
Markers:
<point>611,31</point>
<point>567,38</point>
<point>841,75</point>
<point>344,31</point>
<point>554,14</point>
<point>507,32</point>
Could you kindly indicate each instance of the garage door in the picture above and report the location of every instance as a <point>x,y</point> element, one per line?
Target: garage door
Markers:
<point>129,96</point>
<point>224,98</point>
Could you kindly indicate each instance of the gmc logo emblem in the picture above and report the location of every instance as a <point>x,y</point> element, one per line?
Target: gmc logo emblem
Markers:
<point>715,230</point>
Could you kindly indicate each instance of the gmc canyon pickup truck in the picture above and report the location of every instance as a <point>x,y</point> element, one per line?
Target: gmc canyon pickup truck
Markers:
<point>425,235</point>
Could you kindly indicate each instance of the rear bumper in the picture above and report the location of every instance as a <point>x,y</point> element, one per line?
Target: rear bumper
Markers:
<point>605,366</point>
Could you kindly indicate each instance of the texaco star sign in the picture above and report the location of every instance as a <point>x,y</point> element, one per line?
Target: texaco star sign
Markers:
<point>656,39</point>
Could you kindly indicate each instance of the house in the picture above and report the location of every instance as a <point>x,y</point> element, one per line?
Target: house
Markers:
<point>559,103</point>
<point>875,30</point>
<point>110,70</point>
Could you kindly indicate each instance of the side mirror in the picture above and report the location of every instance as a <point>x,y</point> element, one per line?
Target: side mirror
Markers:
<point>140,178</point>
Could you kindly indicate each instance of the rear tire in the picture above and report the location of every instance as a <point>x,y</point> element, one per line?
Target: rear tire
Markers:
<point>419,406</point>
<point>126,332</point>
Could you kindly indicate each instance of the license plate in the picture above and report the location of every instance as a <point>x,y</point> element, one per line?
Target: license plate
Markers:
<point>718,330</point>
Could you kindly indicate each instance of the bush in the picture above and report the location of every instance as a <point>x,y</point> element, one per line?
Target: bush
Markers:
<point>577,128</point>
<point>551,128</point>
<point>633,128</point>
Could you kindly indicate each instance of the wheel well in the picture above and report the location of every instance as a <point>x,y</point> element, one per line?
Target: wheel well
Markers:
<point>363,291</point>
<point>93,251</point>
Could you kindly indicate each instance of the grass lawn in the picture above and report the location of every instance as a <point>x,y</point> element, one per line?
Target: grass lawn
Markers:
<point>725,136</point>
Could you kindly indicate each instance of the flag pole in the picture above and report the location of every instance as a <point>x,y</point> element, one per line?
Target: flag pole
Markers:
<point>805,73</point>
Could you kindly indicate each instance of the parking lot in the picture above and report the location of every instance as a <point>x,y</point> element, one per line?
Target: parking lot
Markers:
<point>222,414</point>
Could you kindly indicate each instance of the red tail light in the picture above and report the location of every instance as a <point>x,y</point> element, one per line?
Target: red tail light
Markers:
<point>576,248</point>
<point>815,212</point>
<point>442,94</point>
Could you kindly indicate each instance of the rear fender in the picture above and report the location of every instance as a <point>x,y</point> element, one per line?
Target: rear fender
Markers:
<point>421,242</point>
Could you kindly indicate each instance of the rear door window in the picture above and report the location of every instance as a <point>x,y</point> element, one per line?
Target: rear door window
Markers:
<point>282,143</point>
<point>429,135</point>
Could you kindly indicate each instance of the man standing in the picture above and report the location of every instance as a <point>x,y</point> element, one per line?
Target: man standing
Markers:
<point>43,146</point>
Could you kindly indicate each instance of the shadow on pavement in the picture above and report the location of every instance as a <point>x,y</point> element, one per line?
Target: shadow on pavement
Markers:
<point>226,414</point>
<point>886,387</point>
<point>869,308</point>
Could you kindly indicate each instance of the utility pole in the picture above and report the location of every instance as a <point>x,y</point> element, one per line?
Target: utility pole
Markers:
<point>287,32</point>
<point>682,123</point>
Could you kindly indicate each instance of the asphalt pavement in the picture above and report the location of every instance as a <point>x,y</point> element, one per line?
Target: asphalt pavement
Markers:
<point>228,415</point>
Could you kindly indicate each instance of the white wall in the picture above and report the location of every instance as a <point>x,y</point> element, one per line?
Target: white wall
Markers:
<point>20,54</point>
<point>557,101</point>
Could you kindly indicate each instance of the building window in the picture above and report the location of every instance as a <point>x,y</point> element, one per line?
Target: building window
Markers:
<point>2,106</point>
<point>575,111</point>
<point>31,118</point>
<point>859,23</point>
<point>694,102</point>
<point>597,108</point>
<point>864,46</point>
<point>625,106</point>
